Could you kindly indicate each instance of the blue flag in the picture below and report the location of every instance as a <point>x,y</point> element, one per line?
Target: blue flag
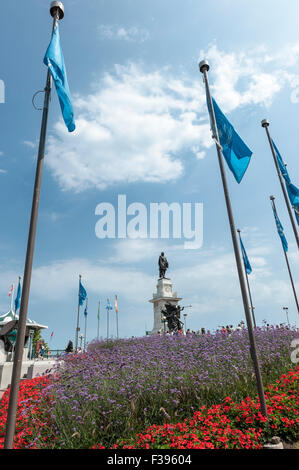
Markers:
<point>55,61</point>
<point>82,294</point>
<point>109,306</point>
<point>245,258</point>
<point>280,231</point>
<point>85,311</point>
<point>281,165</point>
<point>235,151</point>
<point>18,298</point>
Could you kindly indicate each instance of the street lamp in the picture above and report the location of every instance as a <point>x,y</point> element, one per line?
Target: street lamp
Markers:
<point>185,322</point>
<point>286,309</point>
<point>81,340</point>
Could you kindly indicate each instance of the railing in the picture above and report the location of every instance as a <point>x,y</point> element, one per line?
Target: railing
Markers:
<point>51,354</point>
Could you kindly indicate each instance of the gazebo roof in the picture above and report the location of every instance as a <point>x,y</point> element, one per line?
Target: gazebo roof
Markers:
<point>10,316</point>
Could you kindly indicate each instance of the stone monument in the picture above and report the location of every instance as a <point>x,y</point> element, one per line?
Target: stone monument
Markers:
<point>164,295</point>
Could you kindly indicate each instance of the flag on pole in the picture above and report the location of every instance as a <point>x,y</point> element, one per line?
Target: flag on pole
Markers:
<point>234,150</point>
<point>245,258</point>
<point>82,294</point>
<point>293,191</point>
<point>280,231</point>
<point>11,290</point>
<point>85,310</point>
<point>109,306</point>
<point>116,304</point>
<point>99,311</point>
<point>18,297</point>
<point>52,334</point>
<point>55,62</point>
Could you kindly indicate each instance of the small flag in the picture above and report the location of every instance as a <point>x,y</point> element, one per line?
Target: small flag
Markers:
<point>85,310</point>
<point>11,290</point>
<point>234,150</point>
<point>55,62</point>
<point>99,311</point>
<point>245,258</point>
<point>116,304</point>
<point>280,231</point>
<point>18,297</point>
<point>109,306</point>
<point>82,294</point>
<point>52,334</point>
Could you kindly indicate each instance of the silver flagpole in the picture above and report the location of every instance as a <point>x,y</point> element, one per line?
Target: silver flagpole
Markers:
<point>247,280</point>
<point>272,198</point>
<point>98,336</point>
<point>85,325</point>
<point>57,12</point>
<point>78,317</point>
<point>204,67</point>
<point>265,123</point>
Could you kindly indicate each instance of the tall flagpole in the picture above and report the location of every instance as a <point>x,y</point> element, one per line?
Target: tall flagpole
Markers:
<point>272,198</point>
<point>85,325</point>
<point>116,311</point>
<point>107,321</point>
<point>265,123</point>
<point>98,336</point>
<point>57,12</point>
<point>249,291</point>
<point>12,297</point>
<point>78,316</point>
<point>204,67</point>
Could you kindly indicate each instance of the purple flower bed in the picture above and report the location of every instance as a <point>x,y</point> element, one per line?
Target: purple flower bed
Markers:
<point>118,388</point>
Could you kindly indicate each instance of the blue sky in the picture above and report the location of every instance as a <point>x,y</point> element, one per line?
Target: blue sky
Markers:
<point>142,131</point>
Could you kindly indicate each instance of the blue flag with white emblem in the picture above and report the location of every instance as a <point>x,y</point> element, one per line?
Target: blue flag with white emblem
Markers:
<point>85,311</point>
<point>280,231</point>
<point>245,258</point>
<point>18,297</point>
<point>82,294</point>
<point>55,62</point>
<point>234,150</point>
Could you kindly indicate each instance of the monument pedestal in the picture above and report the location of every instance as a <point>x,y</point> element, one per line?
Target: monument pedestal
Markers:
<point>163,295</point>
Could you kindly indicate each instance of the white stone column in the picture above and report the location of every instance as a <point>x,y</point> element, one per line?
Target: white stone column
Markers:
<point>163,295</point>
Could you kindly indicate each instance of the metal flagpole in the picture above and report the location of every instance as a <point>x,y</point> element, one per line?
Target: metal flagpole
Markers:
<point>57,12</point>
<point>98,321</point>
<point>78,316</point>
<point>85,325</point>
<point>204,67</point>
<point>287,261</point>
<point>265,123</point>
<point>116,311</point>
<point>12,297</point>
<point>107,319</point>
<point>249,291</point>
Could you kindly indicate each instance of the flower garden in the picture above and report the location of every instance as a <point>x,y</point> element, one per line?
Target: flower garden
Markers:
<point>194,392</point>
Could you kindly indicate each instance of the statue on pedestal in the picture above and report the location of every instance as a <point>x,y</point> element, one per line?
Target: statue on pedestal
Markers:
<point>163,265</point>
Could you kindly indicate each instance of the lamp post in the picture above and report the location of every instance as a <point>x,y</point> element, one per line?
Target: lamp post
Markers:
<point>286,309</point>
<point>81,340</point>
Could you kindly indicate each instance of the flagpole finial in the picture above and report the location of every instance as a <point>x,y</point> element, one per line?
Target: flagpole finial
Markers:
<point>238,230</point>
<point>265,123</point>
<point>203,65</point>
<point>272,198</point>
<point>57,6</point>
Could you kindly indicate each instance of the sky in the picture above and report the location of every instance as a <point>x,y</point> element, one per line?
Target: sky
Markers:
<point>142,130</point>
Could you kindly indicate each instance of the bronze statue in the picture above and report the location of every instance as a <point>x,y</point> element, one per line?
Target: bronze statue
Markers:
<point>172,315</point>
<point>163,265</point>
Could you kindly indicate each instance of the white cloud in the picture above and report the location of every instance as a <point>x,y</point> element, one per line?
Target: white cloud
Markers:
<point>132,128</point>
<point>29,144</point>
<point>132,34</point>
